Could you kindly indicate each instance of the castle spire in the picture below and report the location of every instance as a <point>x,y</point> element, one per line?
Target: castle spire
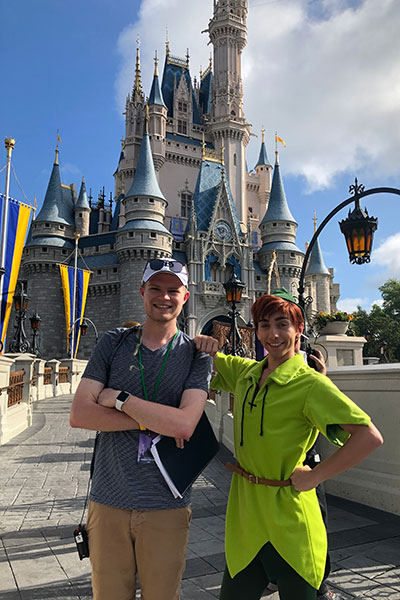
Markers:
<point>156,96</point>
<point>262,157</point>
<point>137,92</point>
<point>316,265</point>
<point>145,181</point>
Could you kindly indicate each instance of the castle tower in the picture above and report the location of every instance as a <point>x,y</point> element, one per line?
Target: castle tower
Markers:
<point>264,171</point>
<point>50,241</point>
<point>82,211</point>
<point>144,236</point>
<point>318,278</point>
<point>228,126</point>
<point>278,232</point>
<point>157,119</point>
<point>134,123</point>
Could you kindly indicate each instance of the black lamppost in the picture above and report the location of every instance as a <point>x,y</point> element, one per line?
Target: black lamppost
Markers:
<point>358,230</point>
<point>35,326</point>
<point>20,342</point>
<point>233,290</point>
<point>84,328</point>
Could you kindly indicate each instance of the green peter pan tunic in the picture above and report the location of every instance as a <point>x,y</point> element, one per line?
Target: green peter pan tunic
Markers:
<point>278,424</point>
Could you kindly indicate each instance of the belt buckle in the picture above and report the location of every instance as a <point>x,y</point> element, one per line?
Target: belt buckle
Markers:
<point>253,478</point>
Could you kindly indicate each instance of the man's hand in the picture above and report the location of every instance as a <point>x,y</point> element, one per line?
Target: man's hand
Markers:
<point>206,344</point>
<point>107,397</point>
<point>303,479</point>
<point>319,361</point>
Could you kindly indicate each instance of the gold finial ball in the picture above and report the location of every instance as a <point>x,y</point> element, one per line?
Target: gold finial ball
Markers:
<point>9,143</point>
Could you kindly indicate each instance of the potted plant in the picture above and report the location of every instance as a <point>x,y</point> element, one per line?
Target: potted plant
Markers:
<point>334,323</point>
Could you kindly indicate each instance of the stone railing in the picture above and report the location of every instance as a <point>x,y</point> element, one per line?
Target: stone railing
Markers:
<point>24,380</point>
<point>376,389</point>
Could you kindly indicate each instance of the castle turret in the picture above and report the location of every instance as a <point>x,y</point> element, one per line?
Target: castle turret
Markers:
<point>318,278</point>
<point>144,236</point>
<point>82,211</point>
<point>50,242</point>
<point>264,171</point>
<point>157,119</point>
<point>278,232</point>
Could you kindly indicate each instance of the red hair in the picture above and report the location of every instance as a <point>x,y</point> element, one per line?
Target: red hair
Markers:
<point>267,304</point>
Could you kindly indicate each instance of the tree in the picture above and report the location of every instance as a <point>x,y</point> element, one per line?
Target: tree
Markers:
<point>391,298</point>
<point>381,323</point>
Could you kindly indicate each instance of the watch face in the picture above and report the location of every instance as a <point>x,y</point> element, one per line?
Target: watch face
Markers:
<point>223,230</point>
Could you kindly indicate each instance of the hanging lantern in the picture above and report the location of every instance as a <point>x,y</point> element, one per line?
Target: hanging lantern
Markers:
<point>358,230</point>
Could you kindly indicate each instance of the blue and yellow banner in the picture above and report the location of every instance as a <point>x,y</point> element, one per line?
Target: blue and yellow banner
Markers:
<point>18,215</point>
<point>82,284</point>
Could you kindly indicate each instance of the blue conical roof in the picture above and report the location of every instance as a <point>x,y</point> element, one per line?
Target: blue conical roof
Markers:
<point>316,265</point>
<point>156,96</point>
<point>278,209</point>
<point>145,181</point>
<point>263,157</point>
<point>83,200</point>
<point>57,207</point>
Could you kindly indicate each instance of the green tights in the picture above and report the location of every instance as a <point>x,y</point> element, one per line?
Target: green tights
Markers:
<point>267,566</point>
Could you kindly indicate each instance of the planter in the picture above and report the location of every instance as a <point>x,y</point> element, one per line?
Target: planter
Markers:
<point>335,328</point>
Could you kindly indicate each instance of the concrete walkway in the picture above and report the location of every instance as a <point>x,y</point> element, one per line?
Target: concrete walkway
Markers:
<point>43,482</point>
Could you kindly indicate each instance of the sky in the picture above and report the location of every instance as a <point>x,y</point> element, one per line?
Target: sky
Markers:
<point>324,74</point>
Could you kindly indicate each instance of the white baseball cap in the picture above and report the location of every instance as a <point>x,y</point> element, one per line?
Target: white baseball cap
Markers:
<point>166,265</point>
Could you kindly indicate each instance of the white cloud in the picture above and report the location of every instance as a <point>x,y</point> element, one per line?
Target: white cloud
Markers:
<point>329,83</point>
<point>388,255</point>
<point>349,305</point>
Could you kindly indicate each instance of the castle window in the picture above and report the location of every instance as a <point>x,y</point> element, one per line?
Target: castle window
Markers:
<point>287,224</point>
<point>98,271</point>
<point>63,251</point>
<point>96,248</point>
<point>136,199</point>
<point>61,227</point>
<point>47,224</point>
<point>182,126</point>
<point>186,203</point>
<point>151,200</point>
<point>258,278</point>
<point>292,255</point>
<point>115,270</point>
<point>274,224</point>
<point>130,233</point>
<point>153,234</point>
<point>182,106</point>
<point>81,214</point>
<point>44,249</point>
<point>234,160</point>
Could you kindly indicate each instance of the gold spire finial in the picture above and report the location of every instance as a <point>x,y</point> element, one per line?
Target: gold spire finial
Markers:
<point>137,94</point>
<point>262,134</point>
<point>276,157</point>
<point>203,147</point>
<point>187,57</point>
<point>155,64</point>
<point>146,120</point>
<point>56,158</point>
<point>223,153</point>
<point>83,179</point>
<point>9,143</point>
<point>166,42</point>
<point>315,221</point>
<point>211,60</point>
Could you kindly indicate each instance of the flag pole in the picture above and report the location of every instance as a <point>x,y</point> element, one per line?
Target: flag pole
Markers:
<point>9,144</point>
<point>74,295</point>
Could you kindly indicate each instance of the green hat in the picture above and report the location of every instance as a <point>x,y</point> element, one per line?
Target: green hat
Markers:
<point>284,294</point>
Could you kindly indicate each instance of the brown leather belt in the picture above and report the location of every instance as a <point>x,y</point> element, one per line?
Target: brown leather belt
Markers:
<point>254,479</point>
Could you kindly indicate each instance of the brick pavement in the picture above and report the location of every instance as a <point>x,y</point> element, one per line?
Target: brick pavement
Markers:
<point>43,482</point>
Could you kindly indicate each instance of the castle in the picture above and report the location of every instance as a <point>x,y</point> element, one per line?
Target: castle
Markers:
<point>182,189</point>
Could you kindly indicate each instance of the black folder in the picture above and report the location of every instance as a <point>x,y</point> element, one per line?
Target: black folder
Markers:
<point>184,465</point>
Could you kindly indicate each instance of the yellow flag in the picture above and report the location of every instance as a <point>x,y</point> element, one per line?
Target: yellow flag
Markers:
<point>278,139</point>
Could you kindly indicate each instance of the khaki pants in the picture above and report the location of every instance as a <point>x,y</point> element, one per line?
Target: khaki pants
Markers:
<point>150,543</point>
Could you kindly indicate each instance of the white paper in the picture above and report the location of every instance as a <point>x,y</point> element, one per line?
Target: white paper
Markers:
<point>164,473</point>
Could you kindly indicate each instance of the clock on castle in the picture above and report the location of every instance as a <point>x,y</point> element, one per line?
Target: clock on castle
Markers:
<point>182,189</point>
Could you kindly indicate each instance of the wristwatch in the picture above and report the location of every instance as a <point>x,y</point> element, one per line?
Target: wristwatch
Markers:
<point>121,399</point>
